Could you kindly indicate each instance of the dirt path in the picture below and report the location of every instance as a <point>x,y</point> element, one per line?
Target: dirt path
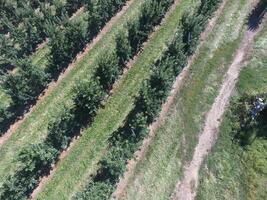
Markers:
<point>140,154</point>
<point>54,84</point>
<point>186,189</point>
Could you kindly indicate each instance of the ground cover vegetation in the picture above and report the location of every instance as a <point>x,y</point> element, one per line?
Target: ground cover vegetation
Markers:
<point>87,98</point>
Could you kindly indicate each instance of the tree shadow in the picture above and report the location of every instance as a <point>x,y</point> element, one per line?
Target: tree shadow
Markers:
<point>256,16</point>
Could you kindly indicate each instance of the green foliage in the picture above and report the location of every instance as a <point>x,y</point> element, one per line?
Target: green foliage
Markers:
<point>127,138</point>
<point>4,113</point>
<point>35,161</point>
<point>100,11</point>
<point>176,56</point>
<point>95,191</point>
<point>151,14</point>
<point>107,70</point>
<point>62,129</point>
<point>26,84</point>
<point>88,94</point>
<point>192,28</point>
<point>73,5</point>
<point>135,36</point>
<point>65,44</point>
<point>123,48</point>
<point>246,127</point>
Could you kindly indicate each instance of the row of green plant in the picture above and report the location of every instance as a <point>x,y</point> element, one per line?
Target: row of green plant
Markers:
<point>28,23</point>
<point>29,81</point>
<point>126,140</point>
<point>36,160</point>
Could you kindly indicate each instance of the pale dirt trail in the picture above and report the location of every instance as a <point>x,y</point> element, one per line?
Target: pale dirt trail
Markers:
<point>140,154</point>
<point>186,189</point>
<point>128,66</point>
<point>54,84</point>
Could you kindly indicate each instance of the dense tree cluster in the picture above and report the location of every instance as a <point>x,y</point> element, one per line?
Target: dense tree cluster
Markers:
<point>26,83</point>
<point>65,42</point>
<point>88,94</point>
<point>28,23</point>
<point>127,138</point>
<point>36,160</point>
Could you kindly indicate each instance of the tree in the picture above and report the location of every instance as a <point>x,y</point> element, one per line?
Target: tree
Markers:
<point>62,129</point>
<point>95,191</point>
<point>59,55</point>
<point>88,94</point>
<point>107,70</point>
<point>73,5</point>
<point>123,48</point>
<point>94,20</point>
<point>35,161</point>
<point>65,44</point>
<point>176,57</point>
<point>134,36</point>
<point>191,25</point>
<point>26,84</point>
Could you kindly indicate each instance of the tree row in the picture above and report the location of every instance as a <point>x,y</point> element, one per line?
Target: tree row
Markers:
<point>126,140</point>
<point>30,80</point>
<point>36,160</point>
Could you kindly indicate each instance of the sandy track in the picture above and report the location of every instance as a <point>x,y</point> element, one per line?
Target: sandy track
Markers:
<point>140,154</point>
<point>186,189</point>
<point>54,84</point>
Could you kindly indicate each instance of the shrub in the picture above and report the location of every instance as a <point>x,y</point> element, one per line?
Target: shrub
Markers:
<point>26,84</point>
<point>35,160</point>
<point>123,48</point>
<point>88,94</point>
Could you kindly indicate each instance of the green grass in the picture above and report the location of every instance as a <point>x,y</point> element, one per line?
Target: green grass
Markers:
<point>231,171</point>
<point>156,176</point>
<point>84,156</point>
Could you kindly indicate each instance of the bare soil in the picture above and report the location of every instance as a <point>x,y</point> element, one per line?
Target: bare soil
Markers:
<point>140,154</point>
